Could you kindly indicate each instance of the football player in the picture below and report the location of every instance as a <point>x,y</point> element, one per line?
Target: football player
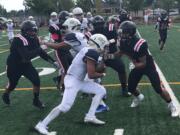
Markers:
<point>53,18</point>
<point>163,23</point>
<point>137,50</point>
<point>73,39</point>
<point>79,14</point>
<point>25,46</point>
<point>124,16</point>
<point>10,30</point>
<point>63,56</point>
<point>83,63</point>
<point>110,31</point>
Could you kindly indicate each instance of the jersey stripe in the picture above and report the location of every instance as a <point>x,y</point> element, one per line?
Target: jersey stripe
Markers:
<point>25,42</point>
<point>55,26</point>
<point>138,45</point>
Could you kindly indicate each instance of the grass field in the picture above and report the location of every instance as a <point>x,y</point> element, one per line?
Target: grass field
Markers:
<point>150,118</point>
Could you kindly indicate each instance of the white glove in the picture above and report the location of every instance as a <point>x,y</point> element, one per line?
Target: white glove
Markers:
<point>131,66</point>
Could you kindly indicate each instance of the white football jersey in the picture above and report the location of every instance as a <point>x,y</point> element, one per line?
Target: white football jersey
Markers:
<point>78,68</point>
<point>10,27</point>
<point>76,40</point>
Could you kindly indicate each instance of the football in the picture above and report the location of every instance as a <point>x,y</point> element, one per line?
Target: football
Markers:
<point>101,68</point>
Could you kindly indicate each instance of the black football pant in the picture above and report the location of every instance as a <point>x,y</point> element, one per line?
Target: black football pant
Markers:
<point>163,35</point>
<point>136,75</point>
<point>15,71</point>
<point>64,60</point>
<point>118,65</point>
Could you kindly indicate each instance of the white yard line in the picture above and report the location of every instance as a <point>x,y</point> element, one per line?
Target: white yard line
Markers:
<point>119,131</point>
<point>165,83</point>
<point>4,51</point>
<point>4,45</point>
<point>1,74</point>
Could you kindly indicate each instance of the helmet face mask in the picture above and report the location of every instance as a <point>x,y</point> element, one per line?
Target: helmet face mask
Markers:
<point>98,42</point>
<point>71,24</point>
<point>164,14</point>
<point>29,29</point>
<point>127,30</point>
<point>98,22</point>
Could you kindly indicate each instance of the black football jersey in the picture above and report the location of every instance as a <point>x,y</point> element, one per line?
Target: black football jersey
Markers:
<point>163,24</point>
<point>135,49</point>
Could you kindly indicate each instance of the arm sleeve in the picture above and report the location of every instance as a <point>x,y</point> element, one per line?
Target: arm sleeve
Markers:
<point>71,40</point>
<point>92,54</point>
<point>45,56</point>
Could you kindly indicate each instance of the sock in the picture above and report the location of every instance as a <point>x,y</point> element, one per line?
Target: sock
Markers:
<point>36,95</point>
<point>94,104</point>
<point>51,116</point>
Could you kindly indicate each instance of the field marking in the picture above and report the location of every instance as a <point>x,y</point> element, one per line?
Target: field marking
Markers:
<point>4,51</point>
<point>165,83</point>
<point>1,74</point>
<point>119,131</point>
<point>4,45</point>
<point>105,85</point>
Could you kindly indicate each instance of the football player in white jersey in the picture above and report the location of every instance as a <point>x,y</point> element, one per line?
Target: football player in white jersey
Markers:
<point>84,63</point>
<point>79,14</point>
<point>53,18</point>
<point>10,30</point>
<point>73,39</point>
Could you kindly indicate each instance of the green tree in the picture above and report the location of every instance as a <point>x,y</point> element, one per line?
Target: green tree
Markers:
<point>45,7</point>
<point>135,5</point>
<point>86,5</point>
<point>166,4</point>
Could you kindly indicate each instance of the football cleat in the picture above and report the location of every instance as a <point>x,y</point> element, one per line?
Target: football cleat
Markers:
<point>102,108</point>
<point>137,100</point>
<point>174,110</point>
<point>5,98</point>
<point>93,120</point>
<point>41,128</point>
<point>37,103</point>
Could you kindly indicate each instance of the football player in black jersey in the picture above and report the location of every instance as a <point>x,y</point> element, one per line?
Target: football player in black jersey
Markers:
<point>137,50</point>
<point>163,23</point>
<point>63,56</point>
<point>110,31</point>
<point>124,16</point>
<point>25,46</point>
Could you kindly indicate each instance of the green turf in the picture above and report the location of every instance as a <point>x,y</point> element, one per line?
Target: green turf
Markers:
<point>151,118</point>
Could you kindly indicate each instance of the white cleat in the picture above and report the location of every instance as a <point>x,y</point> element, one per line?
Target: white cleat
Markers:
<point>174,110</point>
<point>137,100</point>
<point>93,120</point>
<point>41,129</point>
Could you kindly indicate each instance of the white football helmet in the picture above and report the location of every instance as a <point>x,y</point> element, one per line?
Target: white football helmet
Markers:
<point>98,41</point>
<point>54,14</point>
<point>77,11</point>
<point>31,18</point>
<point>72,24</point>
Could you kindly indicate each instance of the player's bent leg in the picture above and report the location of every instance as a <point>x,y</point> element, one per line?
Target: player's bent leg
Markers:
<point>69,96</point>
<point>155,81</point>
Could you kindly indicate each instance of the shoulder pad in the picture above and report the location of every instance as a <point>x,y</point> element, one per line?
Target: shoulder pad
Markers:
<point>138,45</point>
<point>93,55</point>
<point>111,27</point>
<point>23,39</point>
<point>55,26</point>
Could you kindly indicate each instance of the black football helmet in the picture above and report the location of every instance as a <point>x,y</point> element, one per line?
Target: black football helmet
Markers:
<point>98,20</point>
<point>127,30</point>
<point>123,13</point>
<point>29,29</point>
<point>164,14</point>
<point>63,15</point>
